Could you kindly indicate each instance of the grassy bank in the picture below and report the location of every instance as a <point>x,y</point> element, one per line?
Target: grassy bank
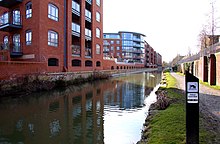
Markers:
<point>169,125</point>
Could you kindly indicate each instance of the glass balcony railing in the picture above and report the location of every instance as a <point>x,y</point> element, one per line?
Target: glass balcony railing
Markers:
<point>88,34</point>
<point>76,29</point>
<point>10,21</point>
<point>75,8</point>
<point>88,15</point>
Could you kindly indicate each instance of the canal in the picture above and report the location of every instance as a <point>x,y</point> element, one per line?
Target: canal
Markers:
<point>107,111</point>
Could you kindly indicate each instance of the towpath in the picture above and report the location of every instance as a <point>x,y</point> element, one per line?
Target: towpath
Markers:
<point>209,105</point>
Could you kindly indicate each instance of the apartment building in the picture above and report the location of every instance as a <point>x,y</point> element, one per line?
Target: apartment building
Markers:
<point>130,47</point>
<point>112,46</point>
<point>126,46</point>
<point>62,35</point>
<point>153,59</point>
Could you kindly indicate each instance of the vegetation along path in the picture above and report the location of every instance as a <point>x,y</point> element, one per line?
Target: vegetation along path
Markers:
<point>209,105</point>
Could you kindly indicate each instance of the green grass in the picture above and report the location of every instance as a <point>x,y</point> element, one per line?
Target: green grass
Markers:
<point>169,126</point>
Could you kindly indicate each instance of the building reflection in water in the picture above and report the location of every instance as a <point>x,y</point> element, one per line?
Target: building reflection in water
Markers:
<point>77,115</point>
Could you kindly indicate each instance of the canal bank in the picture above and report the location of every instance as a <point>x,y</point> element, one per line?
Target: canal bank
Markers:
<point>169,126</point>
<point>105,111</point>
<point>24,85</point>
<point>166,125</point>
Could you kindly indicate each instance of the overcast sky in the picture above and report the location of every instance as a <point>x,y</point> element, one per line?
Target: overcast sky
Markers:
<point>171,26</point>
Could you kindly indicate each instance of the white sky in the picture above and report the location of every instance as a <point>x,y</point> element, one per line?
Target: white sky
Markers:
<point>171,26</point>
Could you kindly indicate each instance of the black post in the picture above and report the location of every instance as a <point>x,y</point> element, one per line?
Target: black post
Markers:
<point>192,109</point>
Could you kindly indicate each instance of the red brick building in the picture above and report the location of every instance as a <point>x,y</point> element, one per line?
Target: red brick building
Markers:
<point>112,46</point>
<point>153,59</point>
<point>52,35</point>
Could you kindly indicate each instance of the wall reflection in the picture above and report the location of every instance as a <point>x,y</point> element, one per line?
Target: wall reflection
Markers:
<point>73,115</point>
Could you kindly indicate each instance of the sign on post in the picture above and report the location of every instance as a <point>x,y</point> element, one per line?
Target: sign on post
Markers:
<point>192,109</point>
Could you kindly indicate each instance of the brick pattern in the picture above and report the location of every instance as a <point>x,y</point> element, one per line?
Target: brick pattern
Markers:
<point>16,69</point>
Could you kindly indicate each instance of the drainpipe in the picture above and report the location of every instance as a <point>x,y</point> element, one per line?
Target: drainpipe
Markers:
<point>65,37</point>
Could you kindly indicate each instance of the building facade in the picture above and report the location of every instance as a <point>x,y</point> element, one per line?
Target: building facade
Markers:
<point>130,47</point>
<point>112,46</point>
<point>153,59</point>
<point>61,35</point>
<point>127,47</point>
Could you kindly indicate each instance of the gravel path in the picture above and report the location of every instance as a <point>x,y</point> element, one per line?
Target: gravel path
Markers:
<point>209,105</point>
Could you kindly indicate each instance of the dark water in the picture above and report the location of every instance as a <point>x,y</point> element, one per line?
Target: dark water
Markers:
<point>110,111</point>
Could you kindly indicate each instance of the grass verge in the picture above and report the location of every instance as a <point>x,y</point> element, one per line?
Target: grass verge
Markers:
<point>169,126</point>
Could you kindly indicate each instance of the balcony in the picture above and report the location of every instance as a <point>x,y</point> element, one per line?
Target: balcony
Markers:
<point>75,29</point>
<point>88,52</point>
<point>76,8</point>
<point>88,15</point>
<point>76,50</point>
<point>89,2</point>
<point>9,3</point>
<point>88,34</point>
<point>10,21</point>
<point>14,48</point>
<point>136,39</point>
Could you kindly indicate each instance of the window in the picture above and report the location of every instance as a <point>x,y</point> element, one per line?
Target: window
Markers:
<point>16,43</point>
<point>98,2</point>
<point>88,63</point>
<point>112,42</point>
<point>118,48</point>
<point>98,63</point>
<point>5,40</point>
<point>97,32</point>
<point>28,37</point>
<point>4,19</point>
<point>16,17</point>
<point>52,12</point>
<point>112,48</point>
<point>52,38</point>
<point>98,17</point>
<point>98,49</point>
<point>53,62</point>
<point>118,42</point>
<point>28,10</point>
<point>5,43</point>
<point>76,62</point>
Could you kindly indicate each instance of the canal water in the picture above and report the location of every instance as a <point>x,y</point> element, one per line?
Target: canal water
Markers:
<point>108,111</point>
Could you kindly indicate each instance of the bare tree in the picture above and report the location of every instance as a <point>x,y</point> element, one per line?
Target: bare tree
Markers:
<point>207,34</point>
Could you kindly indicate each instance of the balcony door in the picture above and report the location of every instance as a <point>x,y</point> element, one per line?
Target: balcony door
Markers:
<point>16,43</point>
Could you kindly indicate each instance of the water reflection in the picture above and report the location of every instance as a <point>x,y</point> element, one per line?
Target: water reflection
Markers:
<point>110,111</point>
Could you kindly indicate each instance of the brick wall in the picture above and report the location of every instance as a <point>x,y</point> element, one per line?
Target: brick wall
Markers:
<point>15,68</point>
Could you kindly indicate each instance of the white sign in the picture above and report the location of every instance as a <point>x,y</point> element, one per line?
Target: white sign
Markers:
<point>192,98</point>
<point>192,87</point>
